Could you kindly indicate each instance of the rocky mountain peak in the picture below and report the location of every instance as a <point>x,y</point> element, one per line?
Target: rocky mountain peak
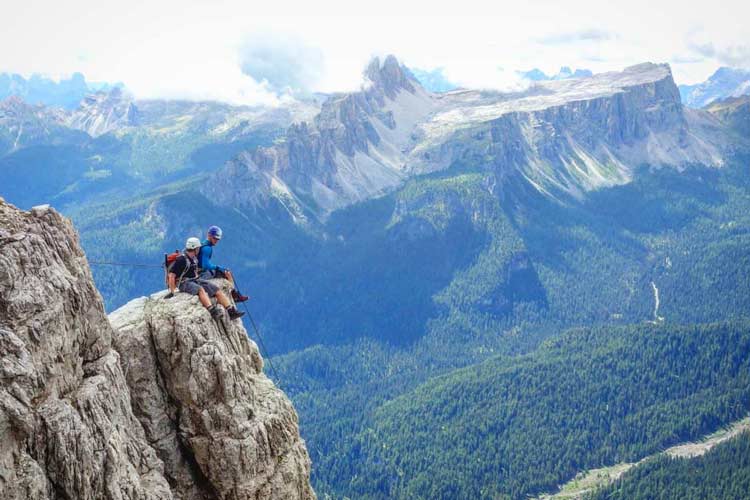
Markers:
<point>104,111</point>
<point>16,109</point>
<point>167,404</point>
<point>565,137</point>
<point>725,82</point>
<point>353,149</point>
<point>390,76</point>
<point>14,104</point>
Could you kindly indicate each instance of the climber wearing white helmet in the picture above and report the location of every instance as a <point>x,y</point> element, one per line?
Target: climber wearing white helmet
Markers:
<point>183,276</point>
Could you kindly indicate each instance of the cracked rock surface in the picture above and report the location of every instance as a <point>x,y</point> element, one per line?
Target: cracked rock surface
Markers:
<point>205,404</point>
<point>170,404</point>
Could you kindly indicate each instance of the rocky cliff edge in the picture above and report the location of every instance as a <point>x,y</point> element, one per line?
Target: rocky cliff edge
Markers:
<point>162,402</point>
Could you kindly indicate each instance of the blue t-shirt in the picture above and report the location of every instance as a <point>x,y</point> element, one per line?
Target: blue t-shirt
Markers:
<point>207,249</point>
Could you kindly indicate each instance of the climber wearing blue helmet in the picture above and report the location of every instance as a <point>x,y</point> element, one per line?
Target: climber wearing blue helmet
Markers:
<point>209,269</point>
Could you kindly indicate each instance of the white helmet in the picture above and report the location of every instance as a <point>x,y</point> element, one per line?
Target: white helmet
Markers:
<point>192,243</point>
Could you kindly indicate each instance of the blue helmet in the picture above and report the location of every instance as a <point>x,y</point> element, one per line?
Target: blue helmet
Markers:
<point>215,231</point>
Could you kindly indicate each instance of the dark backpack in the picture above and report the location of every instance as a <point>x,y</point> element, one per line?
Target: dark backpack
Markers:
<point>171,258</point>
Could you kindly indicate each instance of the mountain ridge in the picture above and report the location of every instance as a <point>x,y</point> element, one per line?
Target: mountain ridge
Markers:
<point>564,137</point>
<point>37,89</point>
<point>725,82</point>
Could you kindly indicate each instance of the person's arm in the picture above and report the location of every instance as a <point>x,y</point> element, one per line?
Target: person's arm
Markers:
<point>205,261</point>
<point>177,267</point>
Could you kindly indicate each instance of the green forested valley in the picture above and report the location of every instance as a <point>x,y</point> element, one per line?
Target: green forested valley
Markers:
<point>468,333</point>
<point>723,472</point>
<point>365,310</point>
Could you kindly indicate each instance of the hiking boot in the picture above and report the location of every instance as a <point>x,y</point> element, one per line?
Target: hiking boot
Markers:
<point>234,313</point>
<point>215,312</point>
<point>238,297</point>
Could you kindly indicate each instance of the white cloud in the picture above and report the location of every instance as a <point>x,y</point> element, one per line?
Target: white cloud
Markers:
<point>195,48</point>
<point>731,55</point>
<point>580,36</point>
<point>283,63</point>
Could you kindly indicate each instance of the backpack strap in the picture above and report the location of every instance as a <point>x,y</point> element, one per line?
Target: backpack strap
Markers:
<point>166,270</point>
<point>187,268</point>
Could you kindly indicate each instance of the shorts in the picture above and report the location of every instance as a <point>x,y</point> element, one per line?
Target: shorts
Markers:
<point>208,274</point>
<point>193,287</point>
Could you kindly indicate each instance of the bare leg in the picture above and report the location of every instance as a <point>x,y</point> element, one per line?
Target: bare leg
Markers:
<point>223,300</point>
<point>203,297</point>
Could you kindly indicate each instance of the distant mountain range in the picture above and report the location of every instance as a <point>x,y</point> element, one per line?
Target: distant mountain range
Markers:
<point>724,83</point>
<point>366,143</point>
<point>420,261</point>
<point>111,141</point>
<point>37,89</point>
<point>435,80</point>
<point>537,75</point>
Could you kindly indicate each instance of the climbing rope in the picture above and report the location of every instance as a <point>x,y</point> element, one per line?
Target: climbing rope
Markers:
<point>123,264</point>
<point>264,351</point>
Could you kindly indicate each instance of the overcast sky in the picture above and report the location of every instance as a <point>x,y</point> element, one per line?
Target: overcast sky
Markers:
<point>247,51</point>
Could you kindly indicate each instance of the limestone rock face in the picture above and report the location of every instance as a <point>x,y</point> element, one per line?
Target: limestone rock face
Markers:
<point>104,112</point>
<point>169,405</point>
<point>354,148</point>
<point>570,137</point>
<point>66,425</point>
<point>563,138</point>
<point>219,424</point>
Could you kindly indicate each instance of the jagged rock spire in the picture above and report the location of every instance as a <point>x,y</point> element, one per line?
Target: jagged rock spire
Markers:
<point>390,75</point>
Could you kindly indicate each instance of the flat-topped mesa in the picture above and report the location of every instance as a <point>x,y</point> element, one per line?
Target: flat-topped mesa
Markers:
<point>646,89</point>
<point>570,136</point>
<point>170,404</point>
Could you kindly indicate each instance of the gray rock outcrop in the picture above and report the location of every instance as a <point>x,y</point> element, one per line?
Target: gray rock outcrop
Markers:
<point>181,411</point>
<point>219,424</point>
<point>66,425</point>
<point>104,112</point>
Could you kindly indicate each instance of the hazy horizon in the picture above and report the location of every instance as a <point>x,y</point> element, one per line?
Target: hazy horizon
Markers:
<point>234,52</point>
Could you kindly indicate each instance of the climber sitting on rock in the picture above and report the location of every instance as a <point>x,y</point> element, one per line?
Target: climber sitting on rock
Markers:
<point>209,269</point>
<point>183,275</point>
